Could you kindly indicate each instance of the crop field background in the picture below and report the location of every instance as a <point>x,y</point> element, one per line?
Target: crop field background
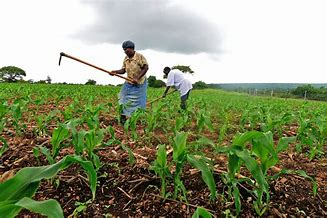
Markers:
<point>63,153</point>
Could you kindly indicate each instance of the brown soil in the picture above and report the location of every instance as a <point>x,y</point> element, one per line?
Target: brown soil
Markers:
<point>126,190</point>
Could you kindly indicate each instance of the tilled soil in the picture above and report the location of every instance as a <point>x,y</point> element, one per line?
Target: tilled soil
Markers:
<point>133,190</point>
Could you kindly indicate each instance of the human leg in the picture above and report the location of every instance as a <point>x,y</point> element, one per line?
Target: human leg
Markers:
<point>183,100</point>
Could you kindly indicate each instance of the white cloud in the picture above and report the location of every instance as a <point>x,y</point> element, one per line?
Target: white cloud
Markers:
<point>262,41</point>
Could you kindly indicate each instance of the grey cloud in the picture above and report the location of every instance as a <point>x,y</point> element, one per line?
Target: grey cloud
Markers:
<point>157,25</point>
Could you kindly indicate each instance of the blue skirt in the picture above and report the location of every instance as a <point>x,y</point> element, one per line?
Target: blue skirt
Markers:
<point>132,97</point>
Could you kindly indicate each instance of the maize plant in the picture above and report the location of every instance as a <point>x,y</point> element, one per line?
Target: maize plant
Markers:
<point>203,120</point>
<point>59,134</point>
<point>113,140</point>
<point>258,159</point>
<point>42,122</point>
<point>180,156</point>
<point>312,133</point>
<point>4,147</point>
<point>131,124</point>
<point>4,108</point>
<point>78,136</point>
<point>93,139</point>
<point>161,168</point>
<point>91,115</point>
<point>131,157</point>
<point>152,118</point>
<point>181,122</point>
<point>17,109</point>
<point>71,110</point>
<point>16,193</point>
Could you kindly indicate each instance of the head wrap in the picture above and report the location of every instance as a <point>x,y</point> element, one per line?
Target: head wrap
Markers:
<point>128,44</point>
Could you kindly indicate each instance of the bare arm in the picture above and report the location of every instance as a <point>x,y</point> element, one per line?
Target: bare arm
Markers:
<point>143,71</point>
<point>166,91</point>
<point>121,71</point>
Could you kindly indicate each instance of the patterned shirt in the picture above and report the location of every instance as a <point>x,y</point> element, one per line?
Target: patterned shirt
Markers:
<point>133,66</point>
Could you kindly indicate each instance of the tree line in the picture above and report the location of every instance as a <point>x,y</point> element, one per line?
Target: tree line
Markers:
<point>14,74</point>
<point>310,92</point>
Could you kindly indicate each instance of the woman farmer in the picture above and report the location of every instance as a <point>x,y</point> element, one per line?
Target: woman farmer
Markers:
<point>132,95</point>
<point>177,79</point>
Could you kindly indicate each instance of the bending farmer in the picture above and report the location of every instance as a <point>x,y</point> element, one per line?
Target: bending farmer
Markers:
<point>132,95</point>
<point>177,79</point>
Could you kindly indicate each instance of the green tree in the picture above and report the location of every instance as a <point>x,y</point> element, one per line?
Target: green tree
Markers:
<point>301,90</point>
<point>151,81</point>
<point>310,92</point>
<point>41,81</point>
<point>11,74</point>
<point>159,83</point>
<point>200,85</point>
<point>184,69</point>
<point>91,82</point>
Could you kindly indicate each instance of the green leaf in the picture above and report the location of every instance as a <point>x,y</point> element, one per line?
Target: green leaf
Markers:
<point>201,212</point>
<point>161,168</point>
<point>205,141</point>
<point>131,157</point>
<point>161,156</point>
<point>237,197</point>
<point>112,132</point>
<point>241,139</point>
<point>4,146</point>
<point>284,142</point>
<point>267,142</point>
<point>50,208</point>
<point>300,173</point>
<point>207,175</point>
<point>179,124</point>
<point>233,165</point>
<point>8,209</point>
<point>26,180</point>
<point>46,152</point>
<point>252,165</point>
<point>58,136</point>
<point>200,122</point>
<point>209,123</point>
<point>78,141</point>
<point>305,175</point>
<point>263,147</point>
<point>179,146</point>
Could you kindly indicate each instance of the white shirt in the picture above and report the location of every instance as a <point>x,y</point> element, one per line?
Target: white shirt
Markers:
<point>177,79</point>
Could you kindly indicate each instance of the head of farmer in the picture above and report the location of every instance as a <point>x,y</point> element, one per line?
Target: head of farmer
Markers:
<point>132,94</point>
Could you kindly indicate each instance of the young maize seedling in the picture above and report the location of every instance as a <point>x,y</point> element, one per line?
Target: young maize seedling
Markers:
<point>131,157</point>
<point>160,167</point>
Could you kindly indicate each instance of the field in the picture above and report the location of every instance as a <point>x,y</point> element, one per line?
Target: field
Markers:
<point>64,153</point>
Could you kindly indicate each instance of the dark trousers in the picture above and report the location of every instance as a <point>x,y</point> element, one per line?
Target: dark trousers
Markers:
<point>183,100</point>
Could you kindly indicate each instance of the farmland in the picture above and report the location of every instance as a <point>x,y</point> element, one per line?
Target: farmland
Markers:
<point>228,155</point>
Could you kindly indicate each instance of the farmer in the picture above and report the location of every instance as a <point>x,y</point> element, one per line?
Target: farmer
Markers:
<point>132,95</point>
<point>177,79</point>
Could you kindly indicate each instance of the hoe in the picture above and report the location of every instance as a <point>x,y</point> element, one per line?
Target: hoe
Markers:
<point>112,74</point>
<point>91,65</point>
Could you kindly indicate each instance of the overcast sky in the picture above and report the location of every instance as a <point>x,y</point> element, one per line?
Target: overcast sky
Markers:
<point>234,41</point>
